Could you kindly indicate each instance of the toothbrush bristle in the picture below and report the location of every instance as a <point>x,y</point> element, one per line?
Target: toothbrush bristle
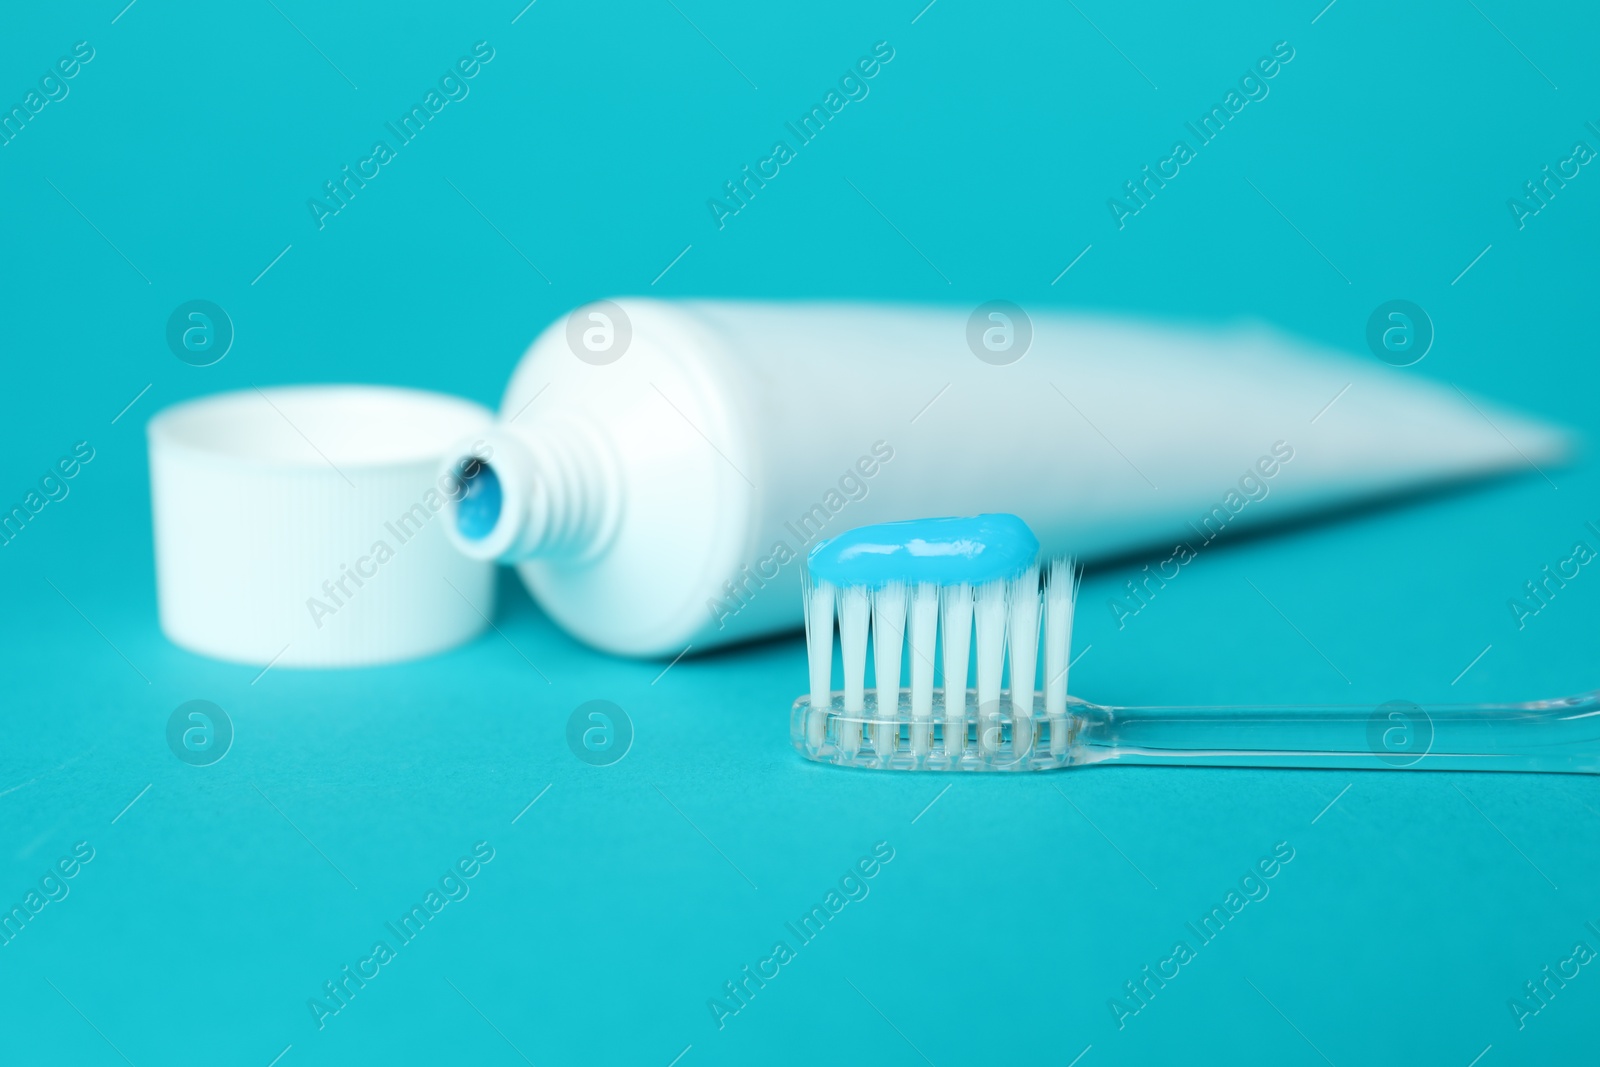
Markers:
<point>819,638</point>
<point>888,638</point>
<point>955,620</point>
<point>819,653</point>
<point>924,632</point>
<point>990,616</point>
<point>888,643</point>
<point>853,610</point>
<point>1061,596</point>
<point>1023,641</point>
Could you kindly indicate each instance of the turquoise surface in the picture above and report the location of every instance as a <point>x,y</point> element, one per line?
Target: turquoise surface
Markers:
<point>977,163</point>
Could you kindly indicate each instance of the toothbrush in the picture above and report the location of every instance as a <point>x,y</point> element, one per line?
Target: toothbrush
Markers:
<point>958,585</point>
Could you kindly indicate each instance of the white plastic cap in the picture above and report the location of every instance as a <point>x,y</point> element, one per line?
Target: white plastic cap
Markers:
<point>304,526</point>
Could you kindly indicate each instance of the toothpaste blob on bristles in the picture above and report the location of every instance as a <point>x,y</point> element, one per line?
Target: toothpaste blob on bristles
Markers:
<point>943,551</point>
<point>915,581</point>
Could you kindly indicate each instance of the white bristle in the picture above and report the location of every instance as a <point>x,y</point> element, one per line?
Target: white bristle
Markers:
<point>955,609</point>
<point>819,656</point>
<point>990,614</point>
<point>1061,596</point>
<point>924,633</point>
<point>853,614</point>
<point>1023,637</point>
<point>888,644</point>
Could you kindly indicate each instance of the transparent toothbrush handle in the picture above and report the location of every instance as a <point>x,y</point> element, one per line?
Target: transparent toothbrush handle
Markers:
<point>1560,735</point>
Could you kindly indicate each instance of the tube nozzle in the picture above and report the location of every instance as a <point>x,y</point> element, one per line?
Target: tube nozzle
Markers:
<point>526,496</point>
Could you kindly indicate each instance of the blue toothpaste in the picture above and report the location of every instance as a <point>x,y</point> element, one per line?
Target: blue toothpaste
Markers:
<point>976,549</point>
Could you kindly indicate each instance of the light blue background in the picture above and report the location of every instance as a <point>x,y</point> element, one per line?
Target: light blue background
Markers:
<point>1014,909</point>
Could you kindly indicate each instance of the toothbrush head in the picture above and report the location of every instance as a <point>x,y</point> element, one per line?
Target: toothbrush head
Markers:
<point>942,588</point>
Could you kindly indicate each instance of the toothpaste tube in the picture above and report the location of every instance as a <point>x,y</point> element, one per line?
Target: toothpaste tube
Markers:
<point>658,467</point>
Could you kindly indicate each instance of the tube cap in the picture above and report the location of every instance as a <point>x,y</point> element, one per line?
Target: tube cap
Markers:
<point>302,526</point>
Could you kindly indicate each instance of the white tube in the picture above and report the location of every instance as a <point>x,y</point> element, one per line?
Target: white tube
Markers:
<point>663,497</point>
